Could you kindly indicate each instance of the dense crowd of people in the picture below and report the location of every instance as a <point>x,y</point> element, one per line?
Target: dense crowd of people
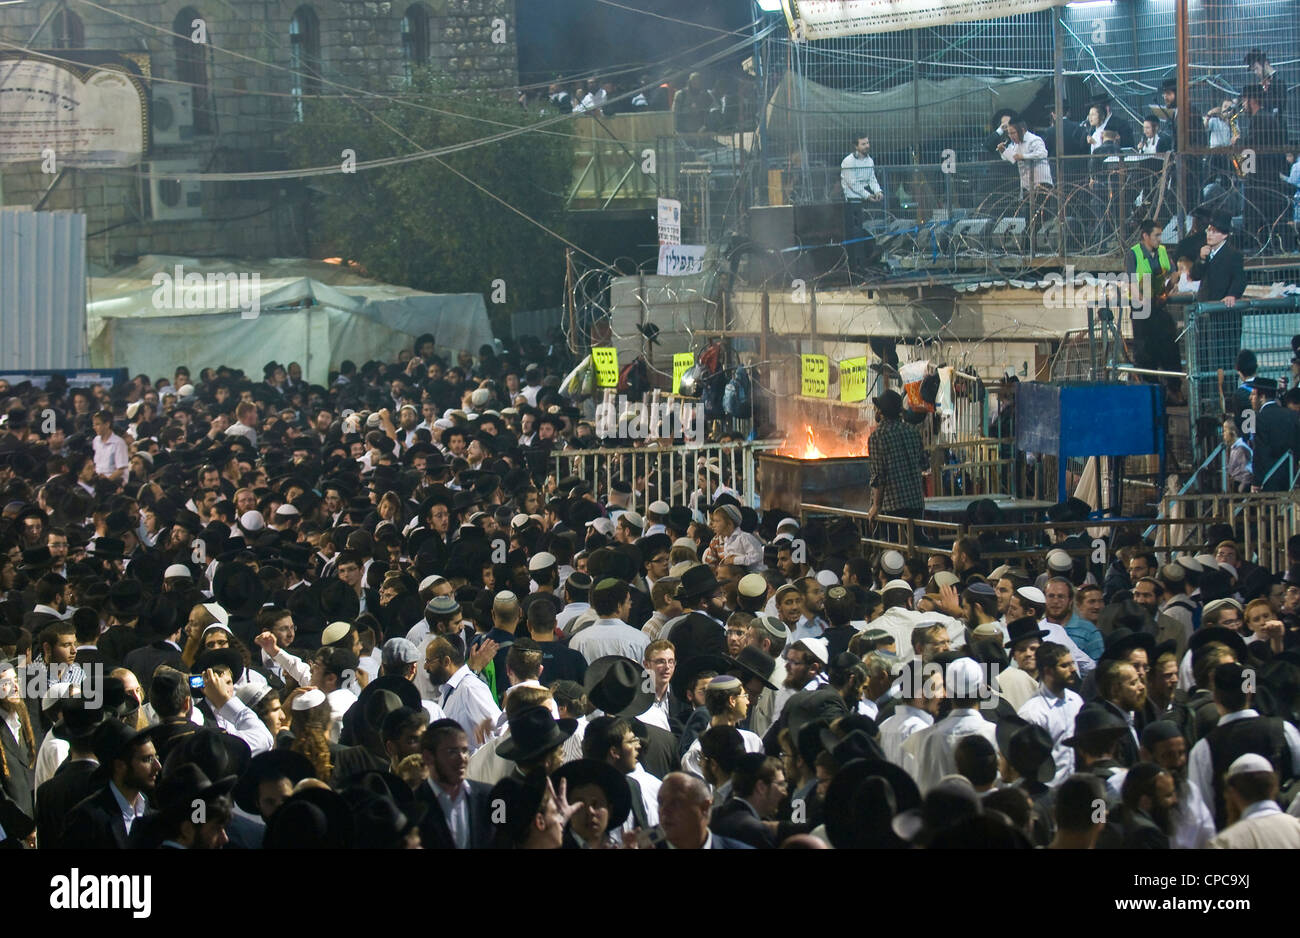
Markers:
<point>265,613</point>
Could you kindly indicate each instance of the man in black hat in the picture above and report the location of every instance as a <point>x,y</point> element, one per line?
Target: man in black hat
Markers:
<point>73,781</point>
<point>1265,201</point>
<point>194,811</point>
<point>129,765</point>
<point>701,630</point>
<point>897,462</point>
<point>1123,693</point>
<point>1277,432</point>
<point>1221,271</point>
<point>1097,735</point>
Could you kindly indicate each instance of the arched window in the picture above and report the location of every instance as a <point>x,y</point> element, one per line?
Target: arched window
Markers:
<point>69,31</point>
<point>415,37</point>
<point>304,56</point>
<point>193,34</point>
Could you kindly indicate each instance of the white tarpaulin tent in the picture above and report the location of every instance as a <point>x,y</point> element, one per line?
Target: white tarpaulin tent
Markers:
<point>311,312</point>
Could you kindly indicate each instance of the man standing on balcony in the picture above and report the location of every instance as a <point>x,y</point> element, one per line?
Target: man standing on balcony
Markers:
<point>1029,154</point>
<point>1276,433</point>
<point>896,461</point>
<point>858,181</point>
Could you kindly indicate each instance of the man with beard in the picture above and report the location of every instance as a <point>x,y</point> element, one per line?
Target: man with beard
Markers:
<point>17,743</point>
<point>1059,593</point>
<point>812,601</point>
<point>1163,744</point>
<point>104,820</point>
<point>1144,819</point>
<point>1123,693</point>
<point>1056,705</point>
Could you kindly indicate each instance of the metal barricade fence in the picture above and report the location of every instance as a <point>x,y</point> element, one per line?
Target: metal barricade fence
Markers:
<point>1214,336</point>
<point>674,472</point>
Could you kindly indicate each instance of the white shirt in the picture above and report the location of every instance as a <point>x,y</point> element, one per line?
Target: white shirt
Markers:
<point>905,721</point>
<point>649,795</point>
<point>239,429</point>
<point>130,810</point>
<point>455,808</point>
<point>238,720</point>
<point>691,761</point>
<point>1034,167</point>
<point>1056,715</point>
<point>610,637</point>
<point>1200,766</point>
<point>568,614</point>
<point>110,455</point>
<point>49,756</point>
<point>467,700</point>
<point>858,177</point>
<point>931,749</point>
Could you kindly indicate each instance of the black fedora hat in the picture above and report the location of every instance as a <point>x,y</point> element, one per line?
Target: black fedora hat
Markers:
<point>36,558</point>
<point>890,403</point>
<point>79,720</point>
<point>314,818</point>
<point>1217,633</point>
<point>619,686</point>
<point>684,676</point>
<point>753,662</point>
<point>125,599</point>
<point>1123,640</point>
<point>239,589</point>
<point>380,822</point>
<point>1028,747</point>
<point>697,581</point>
<point>862,800</point>
<point>533,732</point>
<point>1096,722</point>
<point>220,658</point>
<point>1023,628</point>
<point>178,792</point>
<point>608,779</point>
<point>111,740</point>
<point>266,767</point>
<point>108,548</point>
<point>218,754</point>
<point>188,520</point>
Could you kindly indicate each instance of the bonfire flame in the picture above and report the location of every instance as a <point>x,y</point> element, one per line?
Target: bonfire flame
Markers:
<point>836,444</point>
<point>811,451</point>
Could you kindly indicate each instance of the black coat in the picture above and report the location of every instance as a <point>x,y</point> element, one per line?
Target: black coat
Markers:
<point>1277,432</point>
<point>736,820</point>
<point>20,782</point>
<point>434,832</point>
<point>96,823</point>
<point>145,660</point>
<point>117,643</point>
<point>70,786</point>
<point>1222,275</point>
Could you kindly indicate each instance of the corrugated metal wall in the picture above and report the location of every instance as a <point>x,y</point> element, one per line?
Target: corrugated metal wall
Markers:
<point>43,289</point>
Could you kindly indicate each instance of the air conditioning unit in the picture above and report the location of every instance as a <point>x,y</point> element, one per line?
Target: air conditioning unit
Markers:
<point>175,199</point>
<point>171,114</point>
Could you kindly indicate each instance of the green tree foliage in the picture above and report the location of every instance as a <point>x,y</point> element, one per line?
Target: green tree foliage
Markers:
<point>420,225</point>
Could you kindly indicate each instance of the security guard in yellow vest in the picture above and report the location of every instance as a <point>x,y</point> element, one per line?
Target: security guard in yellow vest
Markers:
<point>1154,338</point>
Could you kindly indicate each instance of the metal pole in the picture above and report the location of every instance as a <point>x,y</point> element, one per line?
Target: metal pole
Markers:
<point>1058,57</point>
<point>1184,96</point>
